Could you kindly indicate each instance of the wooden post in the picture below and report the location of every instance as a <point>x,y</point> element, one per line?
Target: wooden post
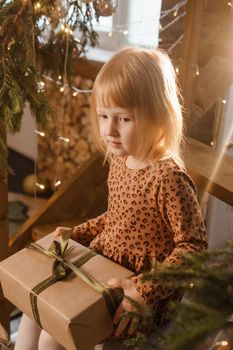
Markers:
<point>4,237</point>
<point>189,53</point>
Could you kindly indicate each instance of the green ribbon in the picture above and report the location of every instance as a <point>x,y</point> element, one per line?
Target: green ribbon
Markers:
<point>62,268</point>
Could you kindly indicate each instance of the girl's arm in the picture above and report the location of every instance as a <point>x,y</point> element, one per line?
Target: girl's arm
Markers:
<point>86,232</point>
<point>180,211</point>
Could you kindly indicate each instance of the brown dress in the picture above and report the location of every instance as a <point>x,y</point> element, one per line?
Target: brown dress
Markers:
<point>153,215</point>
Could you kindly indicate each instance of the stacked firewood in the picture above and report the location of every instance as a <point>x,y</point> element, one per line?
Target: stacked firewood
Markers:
<point>67,143</point>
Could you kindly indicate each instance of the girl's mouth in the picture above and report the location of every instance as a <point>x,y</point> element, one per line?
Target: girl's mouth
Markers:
<point>114,143</point>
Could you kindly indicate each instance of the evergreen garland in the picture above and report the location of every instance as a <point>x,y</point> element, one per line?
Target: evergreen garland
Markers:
<point>207,310</point>
<point>33,43</point>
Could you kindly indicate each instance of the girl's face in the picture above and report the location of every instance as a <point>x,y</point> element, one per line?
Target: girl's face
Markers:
<point>118,130</point>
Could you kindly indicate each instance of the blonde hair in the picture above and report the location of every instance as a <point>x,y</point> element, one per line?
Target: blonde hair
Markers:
<point>144,82</point>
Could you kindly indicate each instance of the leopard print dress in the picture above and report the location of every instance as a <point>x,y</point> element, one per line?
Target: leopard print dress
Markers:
<point>153,215</point>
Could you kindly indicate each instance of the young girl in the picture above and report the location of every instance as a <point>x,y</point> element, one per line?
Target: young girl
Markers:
<point>153,214</point>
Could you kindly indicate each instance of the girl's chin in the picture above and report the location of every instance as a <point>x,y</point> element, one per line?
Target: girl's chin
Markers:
<point>117,152</point>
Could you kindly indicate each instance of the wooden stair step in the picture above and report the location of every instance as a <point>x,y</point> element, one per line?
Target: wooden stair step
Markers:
<point>40,231</point>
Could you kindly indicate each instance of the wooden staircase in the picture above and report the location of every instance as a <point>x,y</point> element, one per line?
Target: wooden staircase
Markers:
<point>83,196</point>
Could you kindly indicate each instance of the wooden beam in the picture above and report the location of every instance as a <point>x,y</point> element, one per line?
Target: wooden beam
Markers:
<point>213,82</point>
<point>211,171</point>
<point>87,68</point>
<point>4,236</point>
<point>189,53</point>
<point>219,40</point>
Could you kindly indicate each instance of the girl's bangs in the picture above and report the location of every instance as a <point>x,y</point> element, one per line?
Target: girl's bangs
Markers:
<point>109,93</point>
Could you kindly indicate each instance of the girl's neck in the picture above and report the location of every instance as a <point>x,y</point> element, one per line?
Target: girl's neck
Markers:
<point>135,164</point>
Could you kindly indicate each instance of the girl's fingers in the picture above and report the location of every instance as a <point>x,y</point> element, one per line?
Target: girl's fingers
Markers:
<point>60,230</point>
<point>121,327</point>
<point>133,325</point>
<point>118,314</point>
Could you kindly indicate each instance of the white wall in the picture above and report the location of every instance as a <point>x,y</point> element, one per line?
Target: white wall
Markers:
<point>24,142</point>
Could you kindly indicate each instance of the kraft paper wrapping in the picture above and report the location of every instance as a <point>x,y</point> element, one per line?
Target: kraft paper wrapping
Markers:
<point>70,310</point>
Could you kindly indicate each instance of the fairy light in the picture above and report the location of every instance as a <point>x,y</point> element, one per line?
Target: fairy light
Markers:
<point>12,42</point>
<point>40,186</point>
<point>41,86</point>
<point>66,28</point>
<point>59,77</point>
<point>57,183</point>
<point>41,133</point>
<point>197,70</point>
<point>177,70</point>
<point>222,343</point>
<point>125,32</point>
<point>175,12</point>
<point>76,90</point>
<point>64,139</point>
<point>175,8</point>
<point>224,101</point>
<point>191,285</point>
<point>110,34</point>
<point>173,21</point>
<point>230,3</point>
<point>37,6</point>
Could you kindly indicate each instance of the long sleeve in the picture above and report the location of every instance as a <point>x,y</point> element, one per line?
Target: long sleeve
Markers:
<point>86,232</point>
<point>180,212</point>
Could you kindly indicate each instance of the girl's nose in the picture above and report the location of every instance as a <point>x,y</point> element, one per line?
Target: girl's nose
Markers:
<point>111,129</point>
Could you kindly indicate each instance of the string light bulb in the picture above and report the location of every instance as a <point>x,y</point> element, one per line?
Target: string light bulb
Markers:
<point>12,42</point>
<point>57,183</point>
<point>41,86</point>
<point>37,6</point>
<point>41,133</point>
<point>66,28</point>
<point>223,343</point>
<point>40,186</point>
<point>175,12</point>
<point>64,139</point>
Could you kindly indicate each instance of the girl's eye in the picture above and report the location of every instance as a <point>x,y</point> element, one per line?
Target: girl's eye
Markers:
<point>124,120</point>
<point>103,116</point>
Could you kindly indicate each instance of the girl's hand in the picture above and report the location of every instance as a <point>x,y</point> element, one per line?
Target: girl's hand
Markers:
<point>59,231</point>
<point>126,306</point>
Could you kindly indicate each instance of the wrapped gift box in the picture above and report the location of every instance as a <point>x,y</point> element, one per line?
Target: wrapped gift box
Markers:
<point>70,310</point>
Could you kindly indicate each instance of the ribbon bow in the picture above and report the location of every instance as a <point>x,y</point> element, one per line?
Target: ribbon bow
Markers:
<point>62,268</point>
<point>57,252</point>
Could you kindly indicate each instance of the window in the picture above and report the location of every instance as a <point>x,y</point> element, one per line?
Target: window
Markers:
<point>135,23</point>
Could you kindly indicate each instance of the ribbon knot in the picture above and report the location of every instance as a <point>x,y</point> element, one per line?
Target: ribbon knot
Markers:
<point>62,268</point>
<point>57,252</point>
